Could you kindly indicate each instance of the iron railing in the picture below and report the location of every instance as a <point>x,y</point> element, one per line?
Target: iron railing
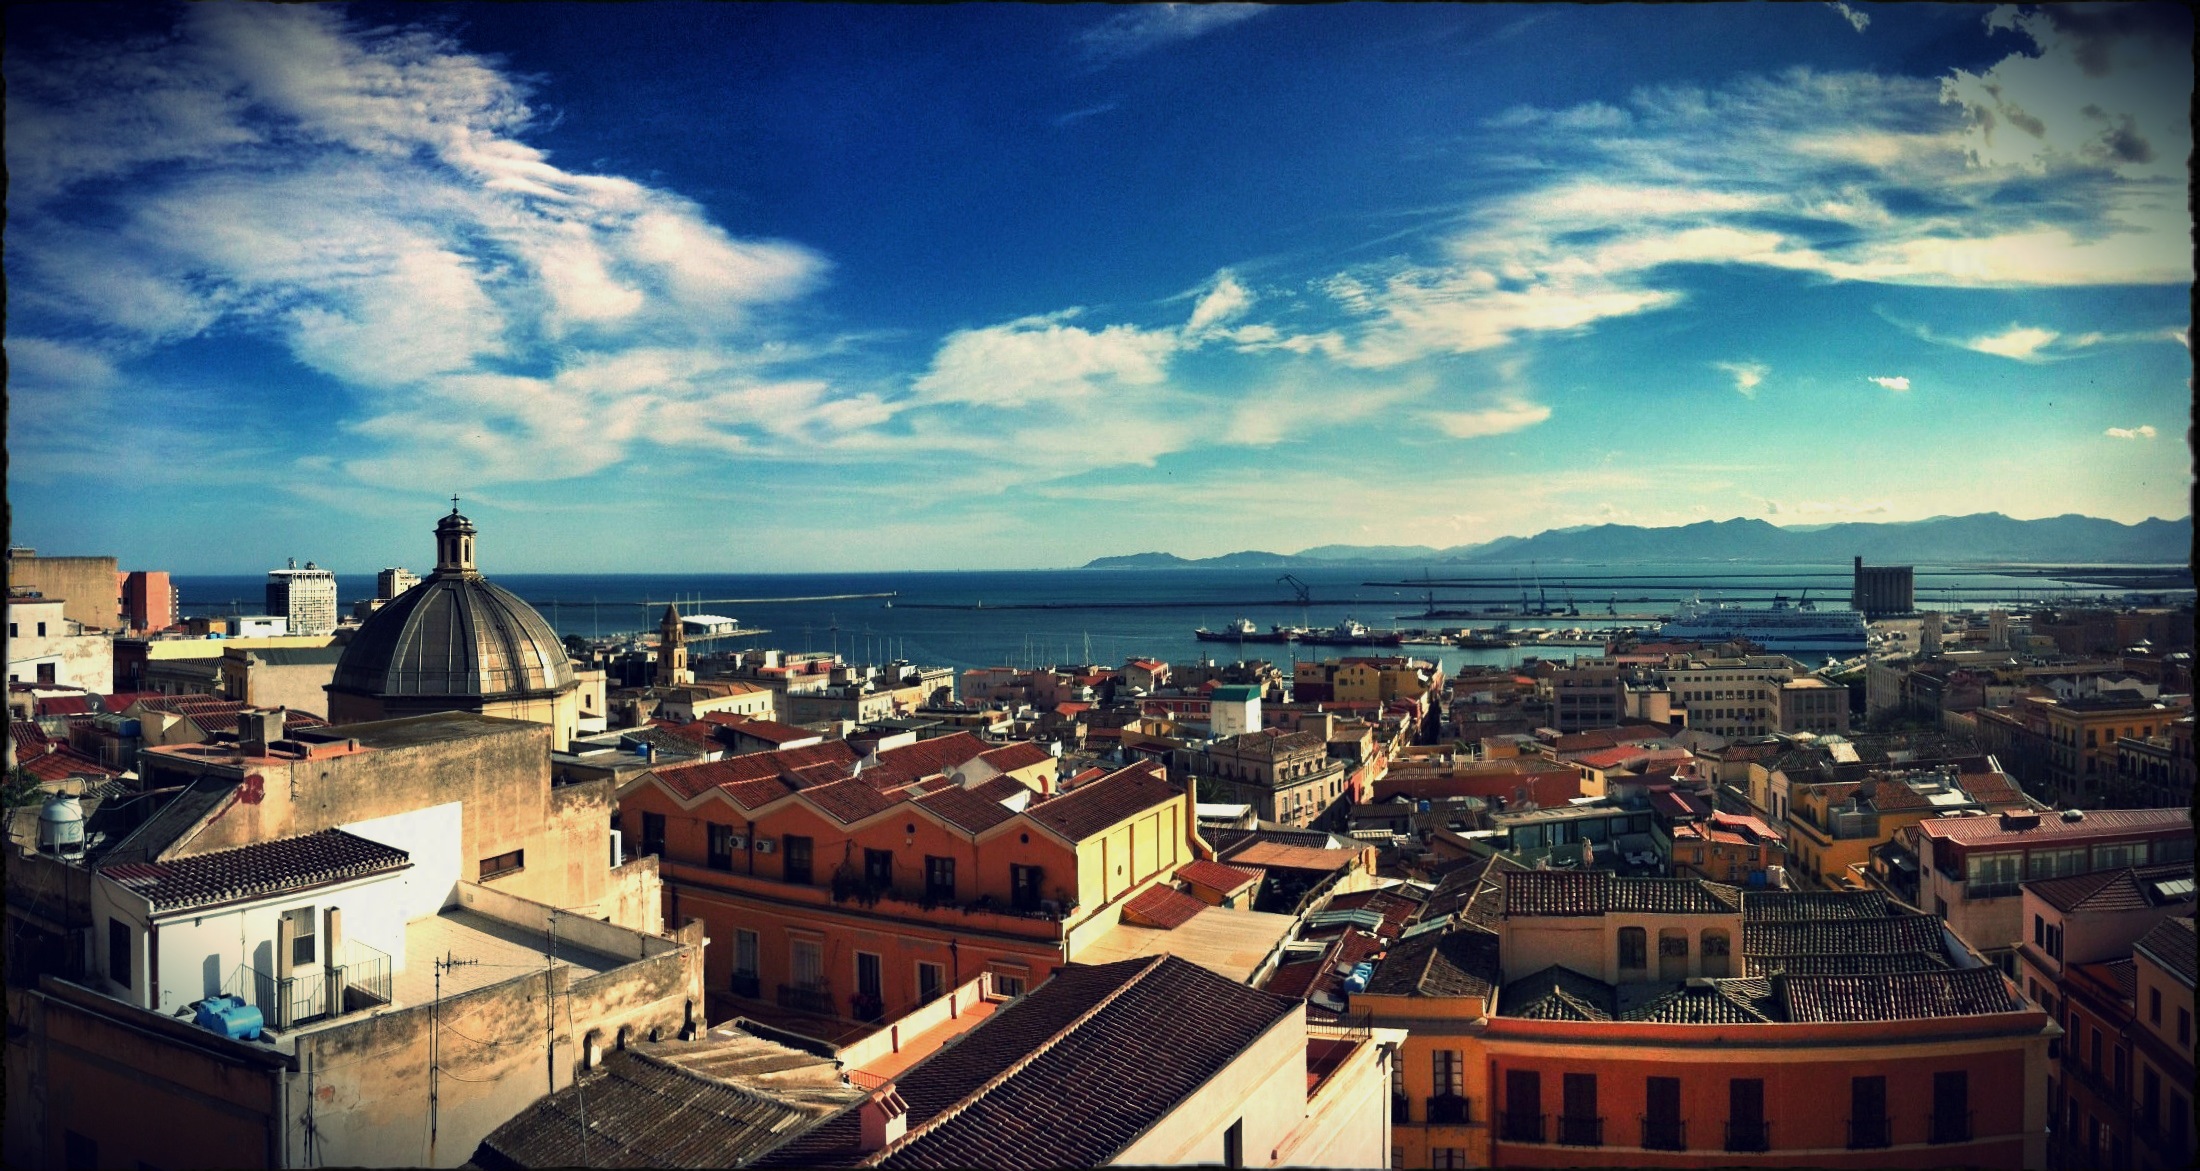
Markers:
<point>1950,1127</point>
<point>1664,1134</point>
<point>1748,1135</point>
<point>747,984</point>
<point>1521,1128</point>
<point>1870,1132</point>
<point>1401,1109</point>
<point>356,979</point>
<point>1576,1131</point>
<point>815,998</point>
<point>1450,1110</point>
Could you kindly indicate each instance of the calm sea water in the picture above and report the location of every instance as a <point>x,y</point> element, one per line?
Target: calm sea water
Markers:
<point>1172,603</point>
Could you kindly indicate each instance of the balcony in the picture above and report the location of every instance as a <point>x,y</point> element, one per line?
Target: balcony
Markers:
<point>813,998</point>
<point>746,984</point>
<point>1580,1132</point>
<point>1401,1109</point>
<point>1749,1135</point>
<point>1520,1128</point>
<point>1990,890</point>
<point>358,979</point>
<point>1664,1134</point>
<point>1450,1110</point>
<point>1866,1133</point>
<point>1951,1127</point>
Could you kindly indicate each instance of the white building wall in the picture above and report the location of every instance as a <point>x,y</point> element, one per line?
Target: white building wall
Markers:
<point>432,837</point>
<point>1265,1089</point>
<point>1234,719</point>
<point>200,954</point>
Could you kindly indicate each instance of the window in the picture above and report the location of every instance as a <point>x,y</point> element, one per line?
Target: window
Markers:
<point>118,952</point>
<point>1397,1158</point>
<point>721,846</point>
<point>41,630</point>
<point>1448,1073</point>
<point>1580,1125</point>
<point>931,981</point>
<point>1233,1145</point>
<point>2173,849</point>
<point>1024,884</point>
<point>45,670</point>
<point>870,988</point>
<point>1633,945</point>
<point>1716,945</point>
<point>796,859</point>
<point>1008,986</point>
<point>1951,1107</point>
<point>939,879</point>
<point>1661,1121</point>
<point>807,963</point>
<point>2039,934</point>
<point>1868,1112</point>
<point>2054,942</point>
<point>301,935</point>
<point>503,864</point>
<point>1450,1158</point>
<point>878,869</point>
<point>1523,1122</point>
<point>1746,1129</point>
<point>2096,1048</point>
<point>1673,943</point>
<point>744,952</point>
<point>653,833</point>
<point>2118,856</point>
<point>2184,1026</point>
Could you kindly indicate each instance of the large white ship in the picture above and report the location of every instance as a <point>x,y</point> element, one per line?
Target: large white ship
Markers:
<point>1780,630</point>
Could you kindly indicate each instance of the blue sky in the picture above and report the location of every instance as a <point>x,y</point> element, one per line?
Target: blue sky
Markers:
<point>670,288</point>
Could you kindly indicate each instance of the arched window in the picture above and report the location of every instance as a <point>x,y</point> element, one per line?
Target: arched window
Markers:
<point>1634,948</point>
<point>1715,945</point>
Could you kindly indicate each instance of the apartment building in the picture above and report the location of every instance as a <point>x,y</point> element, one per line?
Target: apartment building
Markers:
<point>1971,870</point>
<point>1288,777</point>
<point>2080,736</point>
<point>1581,1018</point>
<point>2162,985</point>
<point>1833,826</point>
<point>2078,963</point>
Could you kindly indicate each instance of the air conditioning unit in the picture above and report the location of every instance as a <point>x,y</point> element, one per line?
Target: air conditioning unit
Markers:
<point>766,845</point>
<point>738,842</point>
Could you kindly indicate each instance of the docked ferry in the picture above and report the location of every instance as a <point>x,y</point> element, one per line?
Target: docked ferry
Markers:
<point>1783,629</point>
<point>1243,630</point>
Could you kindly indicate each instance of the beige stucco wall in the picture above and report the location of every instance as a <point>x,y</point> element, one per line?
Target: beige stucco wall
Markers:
<point>1265,1088</point>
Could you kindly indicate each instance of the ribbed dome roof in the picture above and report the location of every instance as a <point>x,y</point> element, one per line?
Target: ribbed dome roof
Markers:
<point>455,634</point>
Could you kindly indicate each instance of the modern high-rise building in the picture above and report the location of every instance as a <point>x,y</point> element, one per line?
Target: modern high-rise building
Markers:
<point>305,596</point>
<point>394,581</point>
<point>1881,590</point>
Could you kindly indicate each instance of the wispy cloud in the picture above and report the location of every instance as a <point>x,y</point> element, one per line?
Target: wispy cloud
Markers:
<point>1857,20</point>
<point>1800,508</point>
<point>1062,120</point>
<point>1142,28</point>
<point>1898,382</point>
<point>2037,343</point>
<point>2142,431</point>
<point>1746,375</point>
<point>1502,418</point>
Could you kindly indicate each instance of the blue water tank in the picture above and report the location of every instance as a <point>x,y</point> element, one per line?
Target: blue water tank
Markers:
<point>1361,973</point>
<point>230,1016</point>
<point>1423,806</point>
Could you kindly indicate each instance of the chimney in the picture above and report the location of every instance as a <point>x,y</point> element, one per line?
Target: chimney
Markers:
<point>257,729</point>
<point>885,1118</point>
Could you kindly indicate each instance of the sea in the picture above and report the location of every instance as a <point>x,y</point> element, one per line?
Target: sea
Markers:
<point>1057,616</point>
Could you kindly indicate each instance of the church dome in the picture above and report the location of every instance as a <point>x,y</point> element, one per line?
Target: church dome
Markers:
<point>455,635</point>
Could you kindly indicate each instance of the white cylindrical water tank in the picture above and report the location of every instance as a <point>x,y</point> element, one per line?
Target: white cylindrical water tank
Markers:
<point>61,827</point>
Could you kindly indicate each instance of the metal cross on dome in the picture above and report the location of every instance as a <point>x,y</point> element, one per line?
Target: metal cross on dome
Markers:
<point>454,503</point>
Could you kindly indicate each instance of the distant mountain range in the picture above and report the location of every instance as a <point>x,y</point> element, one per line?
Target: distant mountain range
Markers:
<point>1941,540</point>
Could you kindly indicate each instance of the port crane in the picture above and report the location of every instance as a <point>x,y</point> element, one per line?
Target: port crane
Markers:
<point>1298,587</point>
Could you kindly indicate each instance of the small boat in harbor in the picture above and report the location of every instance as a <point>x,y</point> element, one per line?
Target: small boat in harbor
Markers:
<point>1243,630</point>
<point>1350,633</point>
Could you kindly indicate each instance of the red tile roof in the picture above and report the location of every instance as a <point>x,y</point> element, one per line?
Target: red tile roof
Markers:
<point>1216,876</point>
<point>1279,856</point>
<point>2170,944</point>
<point>1099,805</point>
<point>30,739</point>
<point>256,871</point>
<point>1896,996</point>
<point>772,731</point>
<point>63,762</point>
<point>898,767</point>
<point>1162,906</point>
<point>849,801</point>
<point>738,774</point>
<point>65,705</point>
<point>1010,757</point>
<point>2108,891</point>
<point>2100,822</point>
<point>965,809</point>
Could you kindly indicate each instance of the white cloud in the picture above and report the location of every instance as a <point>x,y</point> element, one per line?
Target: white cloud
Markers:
<point>1145,27</point>
<point>1895,383</point>
<point>1502,418</point>
<point>1857,20</point>
<point>1226,300</point>
<point>1746,375</point>
<point>2023,343</point>
<point>2142,431</point>
<point>1041,360</point>
<point>2103,88</point>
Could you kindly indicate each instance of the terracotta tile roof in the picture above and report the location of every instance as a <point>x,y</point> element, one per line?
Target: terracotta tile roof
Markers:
<point>1022,754</point>
<point>2170,944</point>
<point>1216,876</point>
<point>1844,963</point>
<point>1001,788</point>
<point>693,779</point>
<point>1721,1002</point>
<point>121,700</point>
<point>771,731</point>
<point>1109,1046</point>
<point>1297,979</point>
<point>1796,906</point>
<point>1897,996</point>
<point>2100,822</point>
<point>30,739</point>
<point>1162,906</point>
<point>1890,935</point>
<point>1098,805</point>
<point>849,801</point>
<point>966,809</point>
<point>1461,962</point>
<point>61,761</point>
<point>901,766</point>
<point>256,871</point>
<point>1278,856</point>
<point>1557,993</point>
<point>1548,893</point>
<point>2130,889</point>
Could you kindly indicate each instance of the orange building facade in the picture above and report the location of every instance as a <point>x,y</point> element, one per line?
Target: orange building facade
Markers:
<point>863,897</point>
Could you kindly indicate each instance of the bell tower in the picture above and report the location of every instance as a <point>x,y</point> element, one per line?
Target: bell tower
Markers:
<point>454,543</point>
<point>672,654</point>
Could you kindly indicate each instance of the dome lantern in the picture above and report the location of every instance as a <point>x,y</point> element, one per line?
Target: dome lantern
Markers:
<point>454,543</point>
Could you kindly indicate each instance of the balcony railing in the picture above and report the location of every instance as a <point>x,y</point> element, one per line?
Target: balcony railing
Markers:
<point>1951,1127</point>
<point>1580,1132</point>
<point>1748,1135</point>
<point>817,998</point>
<point>1870,1132</point>
<point>1664,1134</point>
<point>1520,1128</point>
<point>356,979</point>
<point>747,984</point>
<point>1450,1110</point>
